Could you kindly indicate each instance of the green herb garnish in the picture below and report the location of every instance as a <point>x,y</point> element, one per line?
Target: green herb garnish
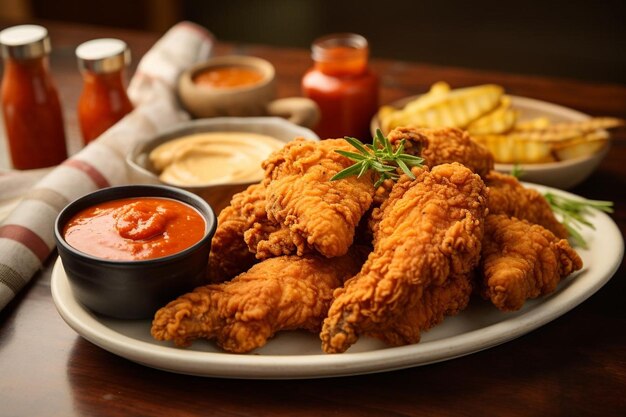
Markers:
<point>517,171</point>
<point>574,211</point>
<point>379,157</point>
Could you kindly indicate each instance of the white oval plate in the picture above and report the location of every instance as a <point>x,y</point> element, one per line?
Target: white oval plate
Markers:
<point>298,354</point>
<point>561,174</point>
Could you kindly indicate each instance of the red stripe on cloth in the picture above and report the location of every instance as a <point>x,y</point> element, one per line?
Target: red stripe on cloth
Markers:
<point>90,170</point>
<point>27,238</point>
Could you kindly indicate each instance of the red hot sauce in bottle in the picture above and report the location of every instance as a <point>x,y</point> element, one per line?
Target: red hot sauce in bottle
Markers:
<point>343,86</point>
<point>103,101</point>
<point>32,112</point>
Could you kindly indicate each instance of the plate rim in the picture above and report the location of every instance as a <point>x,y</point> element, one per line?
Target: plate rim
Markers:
<point>251,366</point>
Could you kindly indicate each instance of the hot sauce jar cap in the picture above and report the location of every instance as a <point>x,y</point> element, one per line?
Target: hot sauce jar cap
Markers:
<point>24,42</point>
<point>103,55</point>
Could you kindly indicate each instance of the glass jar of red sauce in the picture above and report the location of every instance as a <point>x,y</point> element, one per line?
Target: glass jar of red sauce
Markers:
<point>32,112</point>
<point>103,101</point>
<point>342,85</point>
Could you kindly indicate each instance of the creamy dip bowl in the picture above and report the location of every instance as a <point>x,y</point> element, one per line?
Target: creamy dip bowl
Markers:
<point>213,158</point>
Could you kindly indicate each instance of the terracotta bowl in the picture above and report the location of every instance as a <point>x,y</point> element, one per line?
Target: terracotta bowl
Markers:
<point>258,99</point>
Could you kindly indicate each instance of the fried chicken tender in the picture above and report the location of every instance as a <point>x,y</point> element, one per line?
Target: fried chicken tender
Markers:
<point>521,260</point>
<point>436,146</point>
<point>437,302</point>
<point>508,196</point>
<point>427,244</point>
<point>267,240</point>
<point>320,214</point>
<point>229,252</point>
<point>281,293</point>
<point>444,145</point>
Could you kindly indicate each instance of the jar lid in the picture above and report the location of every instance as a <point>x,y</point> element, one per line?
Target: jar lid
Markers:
<point>24,41</point>
<point>103,55</point>
<point>352,44</point>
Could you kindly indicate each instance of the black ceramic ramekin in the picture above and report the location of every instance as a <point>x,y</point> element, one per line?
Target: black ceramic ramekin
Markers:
<point>134,289</point>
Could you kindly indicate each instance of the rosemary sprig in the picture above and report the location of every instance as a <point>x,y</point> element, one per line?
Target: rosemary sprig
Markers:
<point>379,157</point>
<point>574,212</point>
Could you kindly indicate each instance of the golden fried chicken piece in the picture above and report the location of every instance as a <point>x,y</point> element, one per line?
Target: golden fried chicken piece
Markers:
<point>444,145</point>
<point>438,302</point>
<point>229,252</point>
<point>320,214</point>
<point>436,146</point>
<point>521,260</point>
<point>508,196</point>
<point>267,239</point>
<point>281,293</point>
<point>428,239</point>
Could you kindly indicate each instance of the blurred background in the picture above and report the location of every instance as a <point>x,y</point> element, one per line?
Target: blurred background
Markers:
<point>575,39</point>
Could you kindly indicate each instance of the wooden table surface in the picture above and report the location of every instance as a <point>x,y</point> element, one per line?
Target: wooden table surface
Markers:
<point>573,366</point>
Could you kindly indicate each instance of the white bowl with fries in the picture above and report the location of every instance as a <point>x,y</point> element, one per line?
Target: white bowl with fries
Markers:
<point>544,142</point>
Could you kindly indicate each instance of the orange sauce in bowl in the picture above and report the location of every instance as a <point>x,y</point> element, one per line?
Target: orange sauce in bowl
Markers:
<point>135,228</point>
<point>228,77</point>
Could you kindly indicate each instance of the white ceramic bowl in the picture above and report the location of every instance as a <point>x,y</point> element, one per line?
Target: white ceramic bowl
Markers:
<point>562,174</point>
<point>217,195</point>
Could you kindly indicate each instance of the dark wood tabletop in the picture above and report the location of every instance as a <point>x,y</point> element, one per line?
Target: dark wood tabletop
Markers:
<point>573,366</point>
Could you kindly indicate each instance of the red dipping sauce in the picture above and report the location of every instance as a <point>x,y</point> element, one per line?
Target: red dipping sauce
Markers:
<point>135,229</point>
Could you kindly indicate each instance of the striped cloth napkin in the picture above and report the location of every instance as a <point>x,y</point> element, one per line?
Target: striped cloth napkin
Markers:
<point>27,233</point>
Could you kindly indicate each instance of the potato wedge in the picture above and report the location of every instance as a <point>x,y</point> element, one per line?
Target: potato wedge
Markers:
<point>581,147</point>
<point>560,132</point>
<point>457,108</point>
<point>589,125</point>
<point>445,107</point>
<point>389,117</point>
<point>500,120</point>
<point>509,149</point>
<point>437,90</point>
<point>532,124</point>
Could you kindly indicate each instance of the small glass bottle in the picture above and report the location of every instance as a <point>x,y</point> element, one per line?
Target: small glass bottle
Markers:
<point>103,101</point>
<point>32,112</point>
<point>342,85</point>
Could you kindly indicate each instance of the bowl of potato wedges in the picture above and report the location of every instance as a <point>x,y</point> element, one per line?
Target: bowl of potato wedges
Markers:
<point>538,141</point>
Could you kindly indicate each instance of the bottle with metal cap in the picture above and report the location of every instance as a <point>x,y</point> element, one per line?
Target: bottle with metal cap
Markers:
<point>103,101</point>
<point>31,108</point>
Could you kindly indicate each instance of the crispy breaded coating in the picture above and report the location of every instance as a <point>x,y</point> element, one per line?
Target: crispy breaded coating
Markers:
<point>521,260</point>
<point>444,145</point>
<point>508,196</point>
<point>281,293</point>
<point>453,295</point>
<point>267,240</point>
<point>229,252</point>
<point>320,214</point>
<point>429,237</point>
<point>436,146</point>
